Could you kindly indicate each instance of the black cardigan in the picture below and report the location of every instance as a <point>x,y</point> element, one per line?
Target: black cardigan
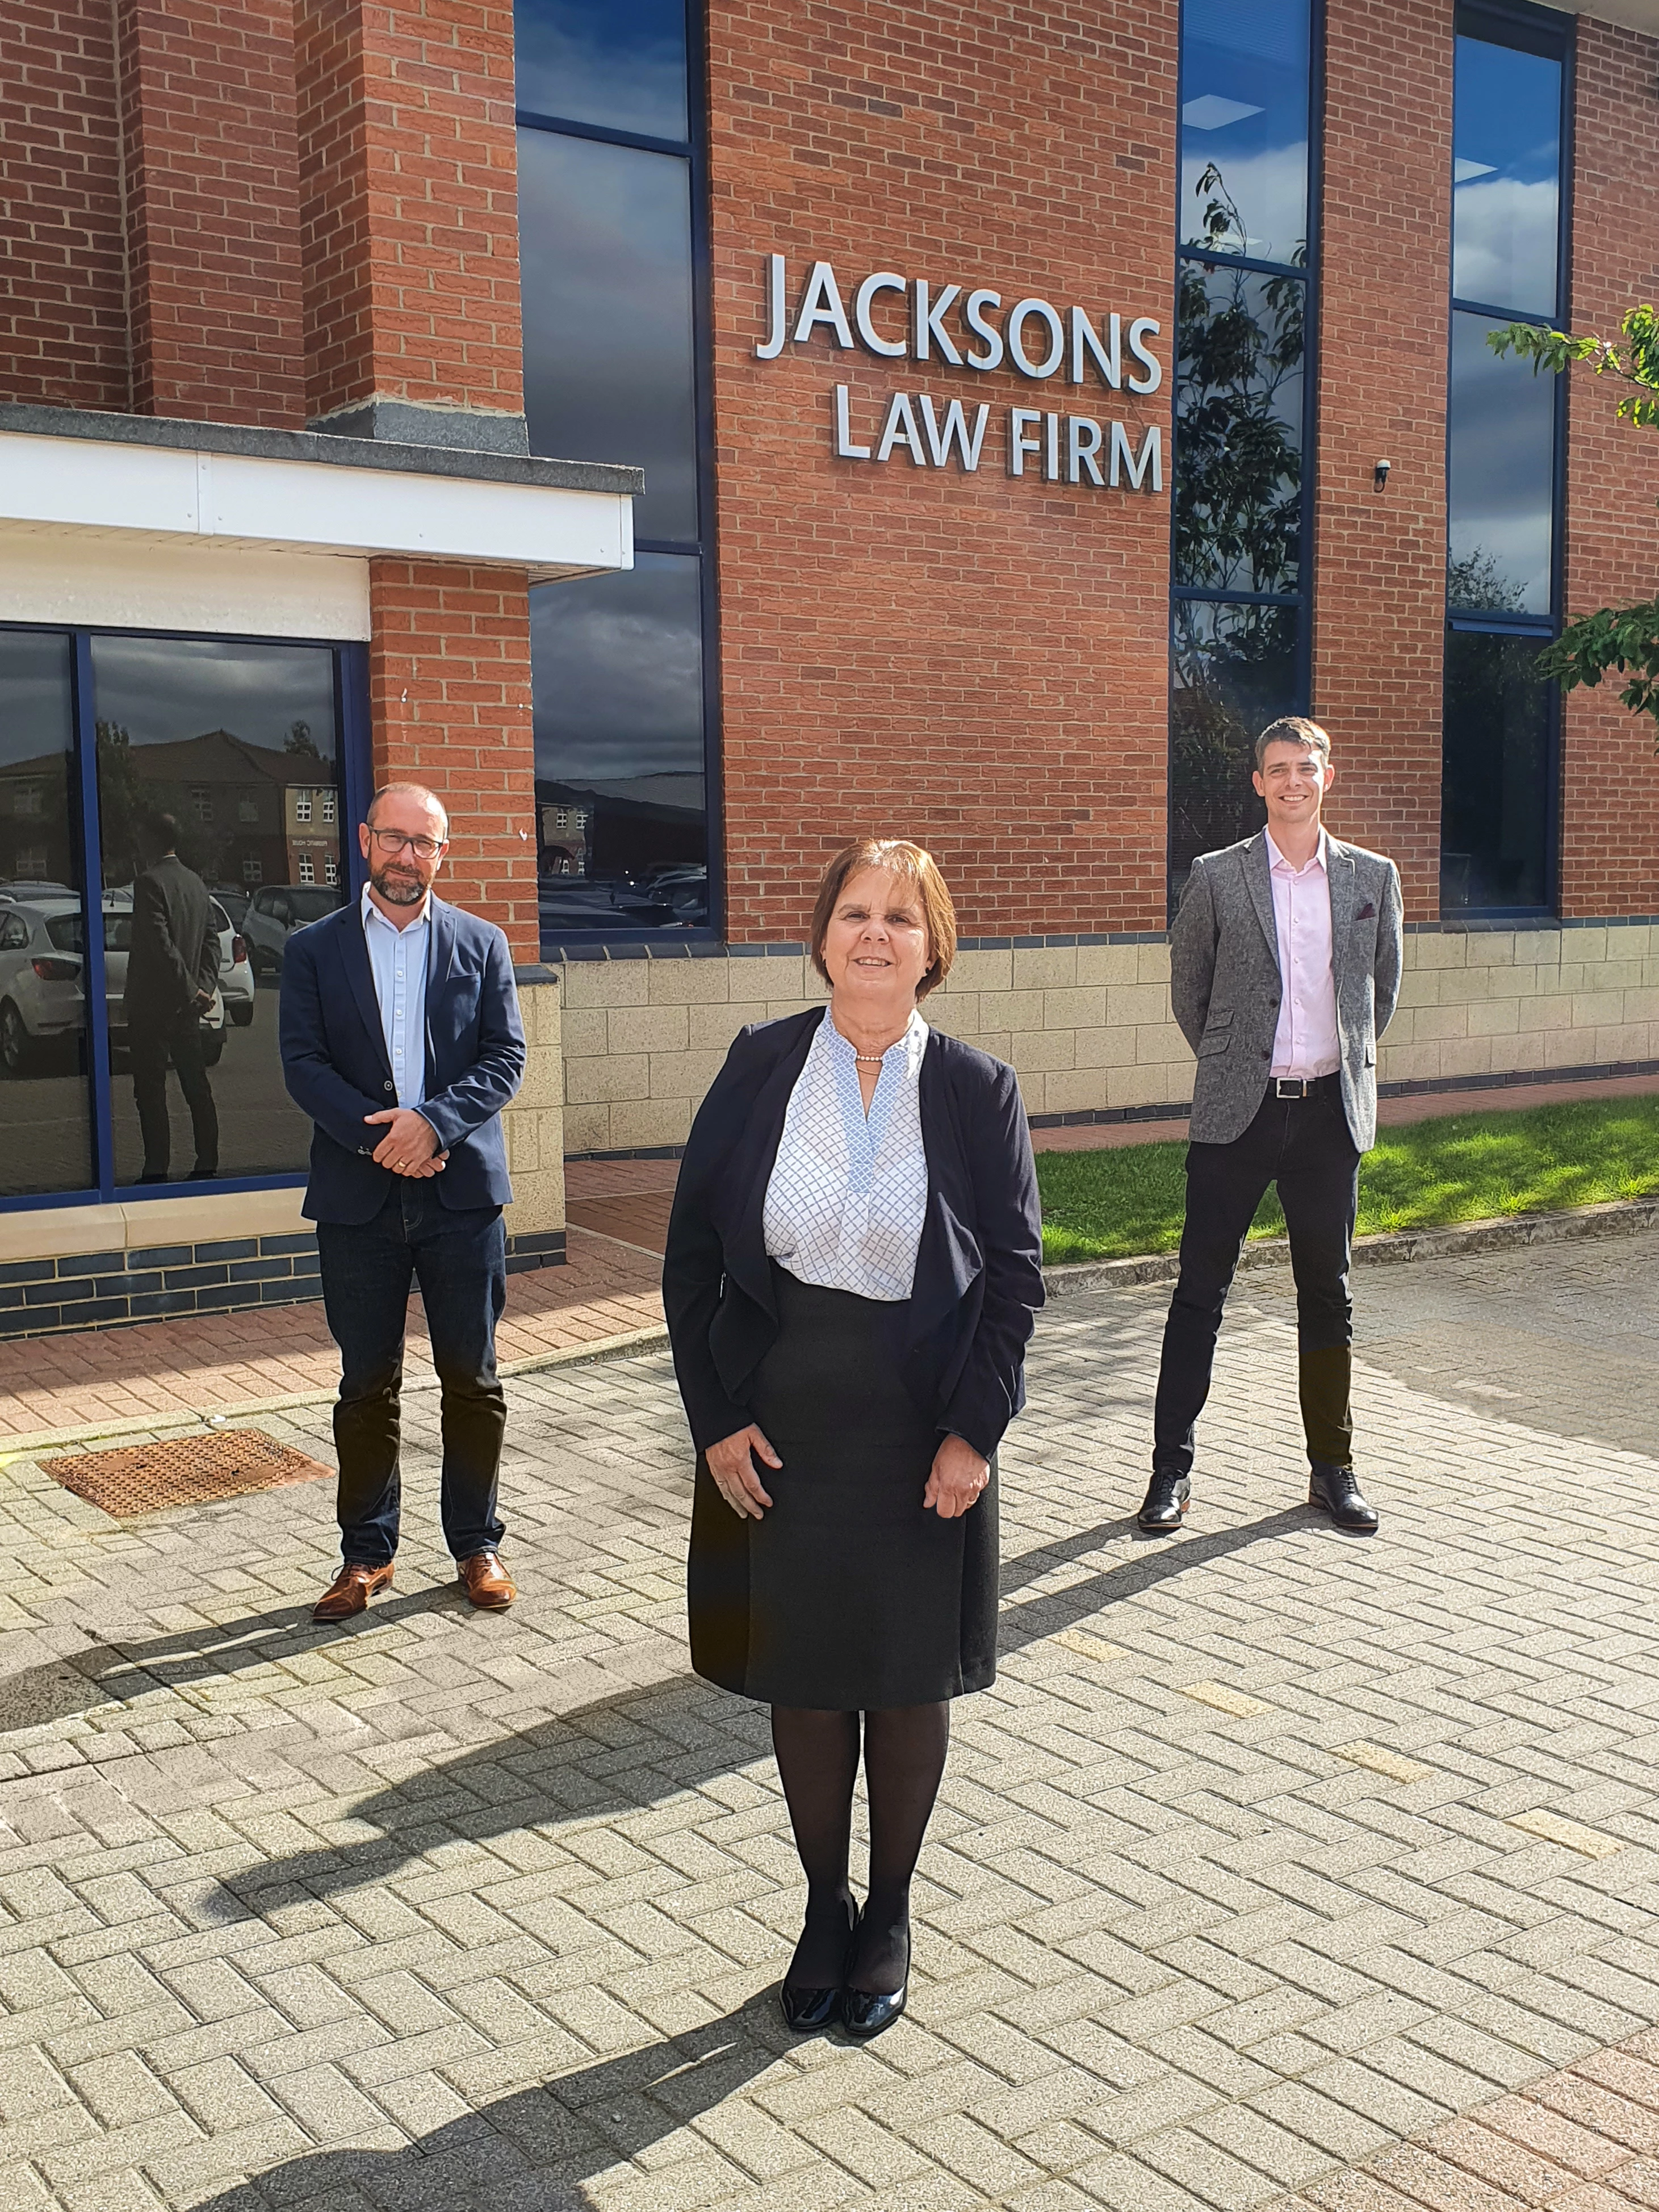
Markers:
<point>979,1268</point>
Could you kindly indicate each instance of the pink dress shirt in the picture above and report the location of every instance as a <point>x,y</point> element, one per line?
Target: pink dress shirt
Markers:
<point>1306,1042</point>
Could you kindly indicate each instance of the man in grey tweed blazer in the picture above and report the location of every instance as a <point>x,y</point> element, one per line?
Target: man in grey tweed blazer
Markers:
<point>1285,968</point>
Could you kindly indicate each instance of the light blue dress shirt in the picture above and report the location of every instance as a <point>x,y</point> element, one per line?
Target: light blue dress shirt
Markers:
<point>398,960</point>
<point>848,1192</point>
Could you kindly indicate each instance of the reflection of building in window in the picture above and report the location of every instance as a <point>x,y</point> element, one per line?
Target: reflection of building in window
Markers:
<point>253,868</point>
<point>330,869</point>
<point>31,863</point>
<point>302,805</point>
<point>330,813</point>
<point>201,800</point>
<point>28,799</point>
<point>308,871</point>
<point>247,806</point>
<point>564,840</point>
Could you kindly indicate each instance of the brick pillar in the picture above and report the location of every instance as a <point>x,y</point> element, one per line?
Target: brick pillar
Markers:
<point>64,316</point>
<point>449,694</point>
<point>411,220</point>
<point>449,700</point>
<point>211,159</point>
<point>1380,578</point>
<point>1610,780</point>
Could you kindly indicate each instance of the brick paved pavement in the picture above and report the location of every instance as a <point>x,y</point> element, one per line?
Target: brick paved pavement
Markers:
<point>1270,1848</point>
<point>167,1369</point>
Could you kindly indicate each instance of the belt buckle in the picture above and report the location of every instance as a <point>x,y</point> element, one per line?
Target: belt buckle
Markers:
<point>1290,1086</point>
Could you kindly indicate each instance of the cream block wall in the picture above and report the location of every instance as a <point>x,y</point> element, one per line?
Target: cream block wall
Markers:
<point>1497,1002</point>
<point>534,1123</point>
<point>1087,1026</point>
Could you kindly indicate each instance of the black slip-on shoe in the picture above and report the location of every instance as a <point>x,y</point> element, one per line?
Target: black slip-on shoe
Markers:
<point>865,2014</point>
<point>805,2011</point>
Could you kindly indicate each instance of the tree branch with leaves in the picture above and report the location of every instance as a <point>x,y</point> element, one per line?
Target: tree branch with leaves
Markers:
<point>1624,641</point>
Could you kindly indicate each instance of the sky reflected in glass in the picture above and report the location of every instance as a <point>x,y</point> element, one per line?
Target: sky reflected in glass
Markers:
<point>620,63</point>
<point>605,241</point>
<point>1245,127</point>
<point>1500,481</point>
<point>618,674</point>
<point>1505,177</point>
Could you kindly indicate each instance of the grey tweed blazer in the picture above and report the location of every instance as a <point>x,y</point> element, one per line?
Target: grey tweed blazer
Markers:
<point>1224,980</point>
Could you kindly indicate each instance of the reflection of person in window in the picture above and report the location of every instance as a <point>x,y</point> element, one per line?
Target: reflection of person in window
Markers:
<point>173,972</point>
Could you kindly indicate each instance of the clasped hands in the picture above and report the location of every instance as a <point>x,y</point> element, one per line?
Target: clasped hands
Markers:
<point>957,1476</point>
<point>409,1146</point>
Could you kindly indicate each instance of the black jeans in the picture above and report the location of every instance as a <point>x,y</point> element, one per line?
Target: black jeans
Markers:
<point>150,1045</point>
<point>459,1260</point>
<point>1305,1147</point>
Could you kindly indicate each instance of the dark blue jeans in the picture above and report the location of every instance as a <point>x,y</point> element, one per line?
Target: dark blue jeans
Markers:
<point>459,1260</point>
<point>1303,1145</point>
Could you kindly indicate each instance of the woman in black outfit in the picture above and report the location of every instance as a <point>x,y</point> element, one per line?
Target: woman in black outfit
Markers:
<point>853,1267</point>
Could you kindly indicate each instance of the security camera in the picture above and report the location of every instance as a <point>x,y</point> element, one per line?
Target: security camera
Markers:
<point>1380,476</point>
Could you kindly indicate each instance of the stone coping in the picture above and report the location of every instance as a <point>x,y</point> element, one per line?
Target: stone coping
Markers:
<point>332,450</point>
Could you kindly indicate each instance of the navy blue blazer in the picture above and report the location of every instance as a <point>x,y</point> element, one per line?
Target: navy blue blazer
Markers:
<point>979,1266</point>
<point>337,1068</point>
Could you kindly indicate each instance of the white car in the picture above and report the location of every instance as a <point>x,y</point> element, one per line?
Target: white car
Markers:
<point>41,1002</point>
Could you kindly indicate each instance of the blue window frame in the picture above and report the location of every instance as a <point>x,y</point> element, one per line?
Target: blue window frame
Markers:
<point>1505,439</point>
<point>1246,278</point>
<point>614,248</point>
<point>256,750</point>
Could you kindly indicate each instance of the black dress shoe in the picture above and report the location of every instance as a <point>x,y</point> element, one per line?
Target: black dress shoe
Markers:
<point>805,2011</point>
<point>868,2013</point>
<point>1335,1491</point>
<point>1168,1496</point>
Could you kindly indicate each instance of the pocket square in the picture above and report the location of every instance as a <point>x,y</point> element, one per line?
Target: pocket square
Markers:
<point>1366,913</point>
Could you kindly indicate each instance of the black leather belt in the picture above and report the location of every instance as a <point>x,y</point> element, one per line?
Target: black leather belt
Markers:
<point>1300,1086</point>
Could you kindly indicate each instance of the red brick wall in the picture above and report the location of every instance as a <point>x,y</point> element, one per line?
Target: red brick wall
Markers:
<point>1610,784</point>
<point>1380,565</point>
<point>978,663</point>
<point>410,203</point>
<point>449,698</point>
<point>213,207</point>
<point>62,306</point>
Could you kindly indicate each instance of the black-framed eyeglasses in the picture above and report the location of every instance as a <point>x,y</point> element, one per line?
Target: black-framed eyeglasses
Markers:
<point>393,841</point>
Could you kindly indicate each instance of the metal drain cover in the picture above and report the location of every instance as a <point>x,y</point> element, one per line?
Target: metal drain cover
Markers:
<point>182,1471</point>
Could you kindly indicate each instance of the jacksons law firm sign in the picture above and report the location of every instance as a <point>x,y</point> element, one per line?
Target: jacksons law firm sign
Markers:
<point>1032,338</point>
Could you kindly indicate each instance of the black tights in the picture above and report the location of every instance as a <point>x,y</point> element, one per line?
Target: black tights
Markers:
<point>817,1753</point>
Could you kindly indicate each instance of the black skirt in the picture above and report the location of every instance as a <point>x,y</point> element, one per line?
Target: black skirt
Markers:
<point>846,1594</point>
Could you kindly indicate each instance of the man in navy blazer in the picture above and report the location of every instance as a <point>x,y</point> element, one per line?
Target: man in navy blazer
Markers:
<point>401,1039</point>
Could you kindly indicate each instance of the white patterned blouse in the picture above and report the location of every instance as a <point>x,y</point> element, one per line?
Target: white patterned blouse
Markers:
<point>844,1207</point>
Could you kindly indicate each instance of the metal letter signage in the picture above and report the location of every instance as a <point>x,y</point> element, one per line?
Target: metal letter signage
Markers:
<point>930,322</point>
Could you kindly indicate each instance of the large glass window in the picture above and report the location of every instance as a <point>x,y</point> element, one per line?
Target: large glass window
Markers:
<point>45,1115</point>
<point>1239,650</point>
<point>1244,113</point>
<point>1495,803</point>
<point>611,231</point>
<point>1504,439</point>
<point>205,775</point>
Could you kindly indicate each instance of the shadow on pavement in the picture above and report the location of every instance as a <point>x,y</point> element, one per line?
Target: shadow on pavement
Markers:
<point>104,1673</point>
<point>533,2151</point>
<point>620,1754</point>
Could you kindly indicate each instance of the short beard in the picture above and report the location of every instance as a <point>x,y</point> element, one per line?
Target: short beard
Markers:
<point>397,892</point>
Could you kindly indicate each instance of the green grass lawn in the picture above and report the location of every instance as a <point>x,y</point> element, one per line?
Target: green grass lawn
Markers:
<point>1468,1167</point>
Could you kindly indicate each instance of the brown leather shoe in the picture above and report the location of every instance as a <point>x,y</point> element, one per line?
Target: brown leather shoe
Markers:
<point>488,1582</point>
<point>350,1591</point>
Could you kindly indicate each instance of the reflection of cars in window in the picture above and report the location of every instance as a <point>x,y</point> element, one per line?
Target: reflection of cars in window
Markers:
<point>41,1000</point>
<point>274,911</point>
<point>42,991</point>
<point>117,946</point>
